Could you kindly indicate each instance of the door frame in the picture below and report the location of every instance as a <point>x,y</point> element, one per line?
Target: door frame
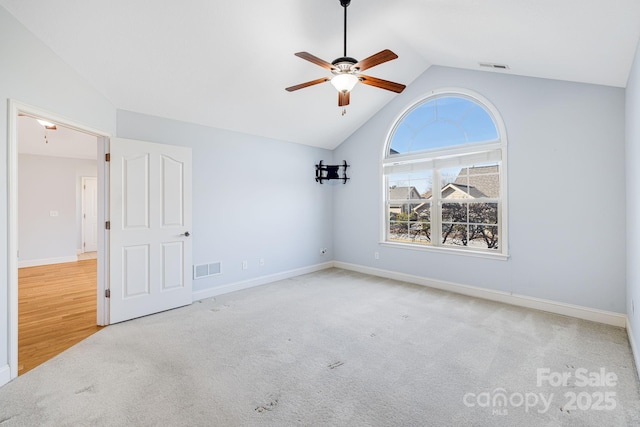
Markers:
<point>83,200</point>
<point>14,109</point>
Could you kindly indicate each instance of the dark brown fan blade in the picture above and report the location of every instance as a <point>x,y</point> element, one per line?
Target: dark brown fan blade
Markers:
<point>315,60</point>
<point>382,84</point>
<point>307,84</point>
<point>373,60</point>
<point>343,99</point>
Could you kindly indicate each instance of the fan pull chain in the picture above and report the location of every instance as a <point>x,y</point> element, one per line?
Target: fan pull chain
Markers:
<point>344,111</point>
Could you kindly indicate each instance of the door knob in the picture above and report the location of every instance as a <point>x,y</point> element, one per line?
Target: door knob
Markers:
<point>186,234</point>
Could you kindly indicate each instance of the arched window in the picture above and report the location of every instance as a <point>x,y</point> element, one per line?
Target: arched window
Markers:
<point>444,176</point>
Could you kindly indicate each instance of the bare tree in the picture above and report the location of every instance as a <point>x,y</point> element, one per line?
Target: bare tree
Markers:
<point>466,222</point>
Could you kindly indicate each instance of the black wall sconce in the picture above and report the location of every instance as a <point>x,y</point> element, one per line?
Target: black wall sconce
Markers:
<point>328,172</point>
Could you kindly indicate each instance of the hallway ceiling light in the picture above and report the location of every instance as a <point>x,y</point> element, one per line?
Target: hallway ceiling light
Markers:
<point>47,125</point>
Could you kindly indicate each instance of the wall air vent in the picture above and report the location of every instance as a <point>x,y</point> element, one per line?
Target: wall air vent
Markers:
<point>206,270</point>
<point>494,66</point>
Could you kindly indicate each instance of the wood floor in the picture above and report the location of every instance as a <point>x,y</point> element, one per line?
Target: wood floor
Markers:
<point>56,310</point>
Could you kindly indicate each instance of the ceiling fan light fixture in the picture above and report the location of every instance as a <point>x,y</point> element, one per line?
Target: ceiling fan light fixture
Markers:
<point>346,70</point>
<point>344,82</point>
<point>46,124</point>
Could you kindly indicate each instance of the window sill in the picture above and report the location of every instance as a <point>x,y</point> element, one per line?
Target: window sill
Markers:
<point>448,251</point>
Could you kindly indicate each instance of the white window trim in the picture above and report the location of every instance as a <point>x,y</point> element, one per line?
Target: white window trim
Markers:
<point>500,144</point>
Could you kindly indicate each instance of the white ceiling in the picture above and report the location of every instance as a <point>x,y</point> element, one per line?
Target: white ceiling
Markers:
<point>62,142</point>
<point>226,63</point>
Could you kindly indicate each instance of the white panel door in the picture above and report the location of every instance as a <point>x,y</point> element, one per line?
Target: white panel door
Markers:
<point>150,214</point>
<point>89,214</point>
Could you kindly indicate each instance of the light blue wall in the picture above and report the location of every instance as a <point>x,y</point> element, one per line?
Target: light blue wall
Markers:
<point>566,191</point>
<point>253,198</point>
<point>32,74</point>
<point>47,183</point>
<point>633,198</point>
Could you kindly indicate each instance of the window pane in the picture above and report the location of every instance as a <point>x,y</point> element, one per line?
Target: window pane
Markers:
<point>420,232</point>
<point>398,231</point>
<point>410,186</point>
<point>449,175</point>
<point>483,213</point>
<point>401,139</point>
<point>442,122</point>
<point>454,213</point>
<point>410,222</point>
<point>438,134</point>
<point>484,129</point>
<point>474,182</point>
<point>423,212</point>
<point>454,234</point>
<point>484,237</point>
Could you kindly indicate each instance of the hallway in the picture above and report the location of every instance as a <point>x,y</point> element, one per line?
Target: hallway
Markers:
<point>56,309</point>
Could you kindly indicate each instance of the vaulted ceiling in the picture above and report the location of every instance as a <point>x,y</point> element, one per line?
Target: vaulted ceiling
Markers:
<point>225,64</point>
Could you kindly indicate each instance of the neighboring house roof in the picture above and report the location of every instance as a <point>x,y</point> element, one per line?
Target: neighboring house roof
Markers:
<point>403,193</point>
<point>476,182</point>
<point>453,188</point>
<point>485,180</point>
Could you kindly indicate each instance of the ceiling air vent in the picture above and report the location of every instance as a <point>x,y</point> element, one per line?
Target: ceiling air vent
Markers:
<point>494,66</point>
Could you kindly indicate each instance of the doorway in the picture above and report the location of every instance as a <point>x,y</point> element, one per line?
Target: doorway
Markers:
<point>57,217</point>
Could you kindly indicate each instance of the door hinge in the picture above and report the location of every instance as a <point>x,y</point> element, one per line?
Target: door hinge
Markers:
<point>107,293</point>
<point>107,225</point>
<point>107,157</point>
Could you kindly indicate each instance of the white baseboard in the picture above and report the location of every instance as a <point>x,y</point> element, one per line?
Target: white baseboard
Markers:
<point>585,313</point>
<point>5,375</point>
<point>635,351</point>
<point>46,261</point>
<point>592,314</point>
<point>262,280</point>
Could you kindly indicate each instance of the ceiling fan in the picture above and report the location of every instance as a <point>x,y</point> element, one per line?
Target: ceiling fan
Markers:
<point>346,70</point>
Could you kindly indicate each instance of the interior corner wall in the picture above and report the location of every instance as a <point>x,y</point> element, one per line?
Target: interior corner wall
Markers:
<point>253,198</point>
<point>48,184</point>
<point>632,125</point>
<point>32,74</point>
<point>566,192</point>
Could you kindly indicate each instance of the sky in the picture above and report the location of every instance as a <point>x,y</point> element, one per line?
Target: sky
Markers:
<point>443,122</point>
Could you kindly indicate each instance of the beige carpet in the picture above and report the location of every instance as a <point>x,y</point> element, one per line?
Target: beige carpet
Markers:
<point>336,348</point>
